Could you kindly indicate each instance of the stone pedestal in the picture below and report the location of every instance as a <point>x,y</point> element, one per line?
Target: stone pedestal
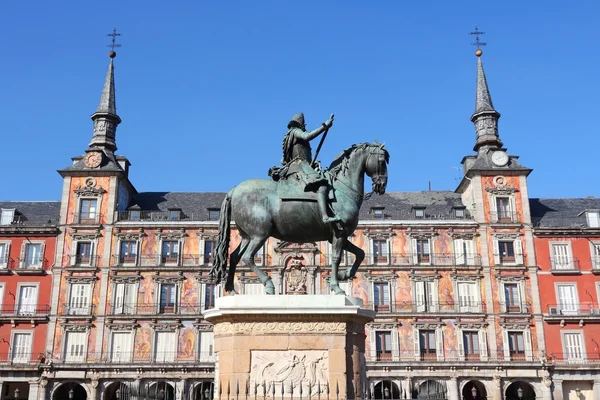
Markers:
<point>284,344</point>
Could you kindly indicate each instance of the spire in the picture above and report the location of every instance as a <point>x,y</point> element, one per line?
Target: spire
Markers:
<point>105,118</point>
<point>485,117</point>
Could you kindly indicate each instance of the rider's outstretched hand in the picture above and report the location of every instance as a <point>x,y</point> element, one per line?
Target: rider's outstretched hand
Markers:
<point>329,122</point>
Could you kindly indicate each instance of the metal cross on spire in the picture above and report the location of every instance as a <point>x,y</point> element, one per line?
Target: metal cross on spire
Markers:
<point>114,35</point>
<point>477,42</point>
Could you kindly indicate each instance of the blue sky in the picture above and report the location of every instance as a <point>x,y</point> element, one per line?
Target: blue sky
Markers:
<point>205,89</point>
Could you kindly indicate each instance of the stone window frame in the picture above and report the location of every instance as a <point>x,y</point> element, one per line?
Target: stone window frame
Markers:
<point>13,332</point>
<point>203,328</point>
<point>501,191</point>
<point>175,236</point>
<point>71,327</point>
<point>160,280</point>
<point>138,238</point>
<point>18,295</point>
<point>389,278</point>
<point>80,280</point>
<point>595,256</point>
<point>202,281</point>
<point>525,329</point>
<point>127,280</point>
<point>114,328</point>
<point>429,277</point>
<point>4,263</point>
<point>84,237</point>
<point>415,235</point>
<point>245,280</point>
<point>203,237</point>
<point>2,288</point>
<point>24,246</point>
<point>471,260</point>
<point>569,244</point>
<point>436,326</point>
<point>391,327</point>
<point>581,333</point>
<point>379,234</point>
<point>89,192</point>
<point>520,281</point>
<point>164,327</point>
<point>343,258</point>
<point>476,279</point>
<point>516,238</point>
<point>480,328</point>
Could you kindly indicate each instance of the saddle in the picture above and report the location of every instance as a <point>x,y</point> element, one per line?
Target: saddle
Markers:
<point>290,187</point>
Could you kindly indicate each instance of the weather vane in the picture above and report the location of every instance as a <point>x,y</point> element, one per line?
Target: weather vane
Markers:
<point>112,46</point>
<point>477,42</point>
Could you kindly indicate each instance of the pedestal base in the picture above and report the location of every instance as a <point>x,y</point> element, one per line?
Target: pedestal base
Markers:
<point>286,344</point>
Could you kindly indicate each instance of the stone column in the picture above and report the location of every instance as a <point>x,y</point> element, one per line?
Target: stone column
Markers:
<point>558,389</point>
<point>1,390</point>
<point>93,390</point>
<point>453,389</point>
<point>407,389</point>
<point>496,389</point>
<point>34,388</point>
<point>43,389</point>
<point>596,389</point>
<point>180,389</point>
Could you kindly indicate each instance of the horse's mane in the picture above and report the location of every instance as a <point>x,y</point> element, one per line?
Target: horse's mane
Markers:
<point>340,164</point>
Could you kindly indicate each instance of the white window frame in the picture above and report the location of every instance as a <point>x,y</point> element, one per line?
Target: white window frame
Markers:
<point>593,219</point>
<point>203,240</point>
<point>390,293</point>
<point>477,298</point>
<point>174,332</point>
<point>571,308</point>
<point>482,342</point>
<point>526,343</point>
<point>7,216</point>
<point>67,333</point>
<point>206,356</point>
<point>517,248</point>
<point>494,206</point>
<point>138,246</point>
<point>388,244</point>
<point>565,351</point>
<point>521,289</point>
<point>129,354</point>
<point>570,265</point>
<point>461,257</point>
<point>595,256</point>
<point>415,254</point>
<point>179,252</point>
<point>12,344</point>
<point>2,310</point>
<point>431,303</point>
<point>157,297</point>
<point>439,342</point>
<point>20,285</point>
<point>74,252</point>
<point>81,310</point>
<point>25,247</point>
<point>373,329</point>
<point>96,217</point>
<point>4,260</point>
<point>133,288</point>
<point>201,297</point>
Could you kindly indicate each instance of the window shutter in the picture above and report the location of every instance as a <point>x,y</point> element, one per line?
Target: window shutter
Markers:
<point>522,302</point>
<point>470,250</point>
<point>493,208</point>
<point>503,305</point>
<point>496,252</point>
<point>371,253</point>
<point>432,289</point>
<point>131,298</point>
<point>483,352</point>
<point>439,348</point>
<point>420,296</point>
<point>22,258</point>
<point>528,348</point>
<point>414,253</point>
<point>202,258</point>
<point>206,346</point>
<point>518,251</point>
<point>42,259</point>
<point>506,345</point>
<point>461,344</point>
<point>459,255</point>
<point>373,343</point>
<point>119,298</point>
<point>416,345</point>
<point>202,296</point>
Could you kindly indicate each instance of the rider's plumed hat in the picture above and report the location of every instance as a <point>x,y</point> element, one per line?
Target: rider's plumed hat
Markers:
<point>297,120</point>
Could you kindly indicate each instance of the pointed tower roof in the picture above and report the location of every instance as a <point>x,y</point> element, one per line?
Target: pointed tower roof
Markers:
<point>483,100</point>
<point>485,116</point>
<point>107,100</point>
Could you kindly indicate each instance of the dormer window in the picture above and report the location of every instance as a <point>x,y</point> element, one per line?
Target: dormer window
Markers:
<point>213,214</point>
<point>8,216</point>
<point>459,212</point>
<point>134,215</point>
<point>419,212</point>
<point>175,214</point>
<point>593,219</point>
<point>377,212</point>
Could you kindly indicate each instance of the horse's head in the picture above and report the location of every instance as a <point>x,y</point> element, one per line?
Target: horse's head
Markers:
<point>376,166</point>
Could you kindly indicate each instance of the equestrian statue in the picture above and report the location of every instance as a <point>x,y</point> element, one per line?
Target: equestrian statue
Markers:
<point>302,203</point>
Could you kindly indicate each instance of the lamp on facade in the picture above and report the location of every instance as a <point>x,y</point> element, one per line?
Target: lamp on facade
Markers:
<point>17,392</point>
<point>207,394</point>
<point>520,392</point>
<point>578,392</point>
<point>71,394</point>
<point>474,392</point>
<point>386,393</point>
<point>118,394</point>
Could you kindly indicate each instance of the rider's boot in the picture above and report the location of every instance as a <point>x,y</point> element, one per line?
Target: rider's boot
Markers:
<point>322,202</point>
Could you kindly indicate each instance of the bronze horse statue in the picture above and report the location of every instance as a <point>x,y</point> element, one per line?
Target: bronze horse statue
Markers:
<point>262,208</point>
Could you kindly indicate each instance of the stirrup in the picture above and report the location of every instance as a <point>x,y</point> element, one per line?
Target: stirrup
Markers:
<point>329,220</point>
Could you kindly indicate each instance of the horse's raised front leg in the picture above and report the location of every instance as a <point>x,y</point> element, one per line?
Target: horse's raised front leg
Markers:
<point>337,245</point>
<point>359,255</point>
<point>248,259</point>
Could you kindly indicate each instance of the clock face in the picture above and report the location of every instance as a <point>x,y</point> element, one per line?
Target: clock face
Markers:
<point>93,160</point>
<point>499,158</point>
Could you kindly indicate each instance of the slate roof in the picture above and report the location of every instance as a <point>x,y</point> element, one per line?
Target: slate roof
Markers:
<point>397,205</point>
<point>34,213</point>
<point>562,213</point>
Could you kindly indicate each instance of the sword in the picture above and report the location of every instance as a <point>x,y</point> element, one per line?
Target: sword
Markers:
<point>312,163</point>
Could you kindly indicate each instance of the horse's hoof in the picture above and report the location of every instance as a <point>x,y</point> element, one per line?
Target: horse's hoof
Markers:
<point>269,287</point>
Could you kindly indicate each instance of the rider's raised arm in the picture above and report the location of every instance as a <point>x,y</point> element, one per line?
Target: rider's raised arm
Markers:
<point>310,135</point>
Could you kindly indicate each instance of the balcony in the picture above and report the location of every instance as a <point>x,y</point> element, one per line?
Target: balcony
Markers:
<point>134,358</point>
<point>84,310</point>
<point>6,265</point>
<point>558,312</point>
<point>154,309</point>
<point>409,307</point>
<point>86,218</point>
<point>452,355</point>
<point>169,260</point>
<point>31,266</point>
<point>564,266</point>
<point>504,217</point>
<point>574,358</point>
<point>435,259</point>
<point>82,261</point>
<point>21,359</point>
<point>595,262</point>
<point>515,308</point>
<point>25,312</point>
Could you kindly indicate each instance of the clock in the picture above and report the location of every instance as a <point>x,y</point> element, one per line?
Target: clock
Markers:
<point>500,158</point>
<point>93,159</point>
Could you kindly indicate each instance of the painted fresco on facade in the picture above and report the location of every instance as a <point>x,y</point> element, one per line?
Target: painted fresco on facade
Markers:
<point>445,292</point>
<point>143,343</point>
<point>189,291</point>
<point>186,344</point>
<point>405,334</point>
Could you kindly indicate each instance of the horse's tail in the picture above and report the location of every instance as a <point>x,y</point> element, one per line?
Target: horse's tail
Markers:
<point>218,271</point>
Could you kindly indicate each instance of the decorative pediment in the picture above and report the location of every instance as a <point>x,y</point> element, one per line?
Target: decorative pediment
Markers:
<point>382,326</point>
<point>126,278</point>
<point>80,278</point>
<point>511,278</point>
<point>171,234</point>
<point>379,233</point>
<point>122,327</point>
<point>500,235</point>
<point>463,234</point>
<point>243,278</point>
<point>136,235</point>
<point>420,233</point>
<point>428,324</point>
<point>423,277</point>
<point>89,189</point>
<point>205,234</point>
<point>166,327</point>
<point>502,190</point>
<point>80,236</point>
<point>468,277</point>
<point>72,327</point>
<point>204,278</point>
<point>472,324</point>
<point>387,277</point>
<point>203,327</point>
<point>297,248</point>
<point>515,325</point>
<point>169,278</point>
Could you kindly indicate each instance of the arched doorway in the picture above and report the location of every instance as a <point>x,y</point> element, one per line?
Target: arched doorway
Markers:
<point>386,390</point>
<point>431,390</point>
<point>70,391</point>
<point>474,390</point>
<point>158,391</point>
<point>118,391</point>
<point>204,391</point>
<point>519,390</point>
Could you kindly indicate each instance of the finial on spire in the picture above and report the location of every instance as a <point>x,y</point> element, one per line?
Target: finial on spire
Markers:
<point>112,53</point>
<point>477,42</point>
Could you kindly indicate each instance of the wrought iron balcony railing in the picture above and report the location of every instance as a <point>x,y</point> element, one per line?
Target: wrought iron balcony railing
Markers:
<point>92,218</point>
<point>24,310</point>
<point>515,308</point>
<point>564,264</point>
<point>574,357</point>
<point>573,309</point>
<point>136,358</point>
<point>422,259</point>
<point>170,260</point>
<point>79,309</point>
<point>428,306</point>
<point>452,355</point>
<point>21,358</point>
<point>31,264</point>
<point>6,263</point>
<point>504,216</point>
<point>154,309</point>
<point>82,260</point>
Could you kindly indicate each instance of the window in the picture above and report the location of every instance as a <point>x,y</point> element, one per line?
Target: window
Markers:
<point>593,219</point>
<point>471,345</point>
<point>259,257</point>
<point>75,346</point>
<point>79,300</point>
<point>568,301</point>
<point>121,349</point>
<point>209,295</point>
<point>128,252</point>
<point>165,346</point>
<point>174,215</point>
<point>209,251</point>
<point>380,251</point>
<point>419,213</point>
<point>503,209</point>
<point>381,296</point>
<point>427,344</point>
<point>506,251</point>
<point>254,288</point>
<point>170,252</point>
<point>7,216</point>
<point>168,298</point>
<point>383,345</point>
<point>125,298</point>
<point>3,255</point>
<point>2,311</point>
<point>425,296</point>
<point>213,214</point>
<point>561,259</point>
<point>459,213</point>
<point>512,298</point>
<point>28,296</point>
<point>516,345</point>
<point>573,348</point>
<point>377,212</point>
<point>83,255</point>
<point>21,347</point>
<point>134,215</point>
<point>468,297</point>
<point>207,346</point>
<point>88,210</point>
<point>33,256</point>
<point>595,256</point>
<point>464,253</point>
<point>423,251</point>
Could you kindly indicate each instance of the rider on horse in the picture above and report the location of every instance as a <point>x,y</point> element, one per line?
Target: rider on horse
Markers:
<point>297,152</point>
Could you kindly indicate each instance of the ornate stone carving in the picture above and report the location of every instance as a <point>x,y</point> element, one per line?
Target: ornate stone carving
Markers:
<point>424,277</point>
<point>421,233</point>
<point>429,324</point>
<point>171,235</point>
<point>208,235</point>
<point>169,278</point>
<point>89,189</point>
<point>299,370</point>
<point>506,235</point>
<point>81,278</point>
<point>203,327</point>
<point>71,327</point>
<point>384,325</point>
<point>511,277</point>
<point>389,277</point>
<point>379,233</point>
<point>75,235</point>
<point>130,235</point>
<point>455,276</point>
<point>122,327</point>
<point>203,278</point>
<point>463,234</point>
<point>43,382</point>
<point>279,327</point>
<point>515,325</point>
<point>296,276</point>
<point>166,327</point>
<point>501,189</point>
<point>126,278</point>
